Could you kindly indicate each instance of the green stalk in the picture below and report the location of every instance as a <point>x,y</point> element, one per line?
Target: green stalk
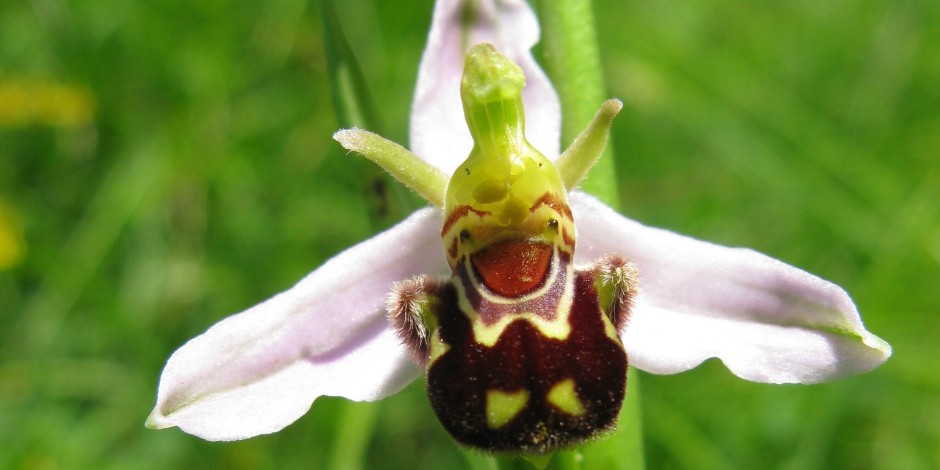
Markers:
<point>354,431</point>
<point>572,58</point>
<point>351,97</point>
<point>355,107</point>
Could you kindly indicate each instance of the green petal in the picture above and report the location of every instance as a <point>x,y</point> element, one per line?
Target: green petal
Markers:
<point>587,149</point>
<point>426,180</point>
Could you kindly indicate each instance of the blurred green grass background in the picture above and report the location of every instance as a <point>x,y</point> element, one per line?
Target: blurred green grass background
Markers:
<point>178,168</point>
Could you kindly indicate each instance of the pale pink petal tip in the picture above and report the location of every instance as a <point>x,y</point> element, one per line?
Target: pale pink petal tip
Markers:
<point>439,133</point>
<point>766,320</point>
<point>260,370</point>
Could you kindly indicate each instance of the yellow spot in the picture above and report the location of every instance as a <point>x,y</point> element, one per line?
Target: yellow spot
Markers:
<point>438,347</point>
<point>502,407</point>
<point>12,245</point>
<point>609,329</point>
<point>28,102</point>
<point>564,397</point>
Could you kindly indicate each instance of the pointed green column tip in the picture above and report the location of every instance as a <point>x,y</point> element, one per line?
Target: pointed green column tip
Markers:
<point>489,76</point>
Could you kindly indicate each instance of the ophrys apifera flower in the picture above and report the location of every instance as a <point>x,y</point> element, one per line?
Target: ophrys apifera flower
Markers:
<point>520,297</point>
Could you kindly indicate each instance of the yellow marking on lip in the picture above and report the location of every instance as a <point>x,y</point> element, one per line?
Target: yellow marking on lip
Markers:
<point>556,328</point>
<point>502,407</point>
<point>609,329</point>
<point>437,346</point>
<point>565,398</point>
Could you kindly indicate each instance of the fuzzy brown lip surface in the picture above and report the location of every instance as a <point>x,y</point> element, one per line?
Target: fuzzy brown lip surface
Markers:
<point>513,267</point>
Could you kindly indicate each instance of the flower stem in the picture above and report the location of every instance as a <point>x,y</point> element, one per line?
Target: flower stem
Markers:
<point>354,431</point>
<point>355,107</point>
<point>572,58</point>
<point>624,448</point>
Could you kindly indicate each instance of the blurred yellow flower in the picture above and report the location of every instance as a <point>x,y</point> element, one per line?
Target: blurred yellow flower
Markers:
<point>12,246</point>
<point>26,102</point>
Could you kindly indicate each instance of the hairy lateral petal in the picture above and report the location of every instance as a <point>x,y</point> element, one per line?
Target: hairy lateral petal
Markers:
<point>258,371</point>
<point>766,320</point>
<point>439,133</point>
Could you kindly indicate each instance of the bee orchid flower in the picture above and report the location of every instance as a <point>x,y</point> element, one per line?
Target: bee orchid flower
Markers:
<point>536,291</point>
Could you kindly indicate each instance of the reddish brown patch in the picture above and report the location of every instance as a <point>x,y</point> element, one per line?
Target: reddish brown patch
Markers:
<point>523,358</point>
<point>456,214</point>
<point>555,202</point>
<point>567,238</point>
<point>511,268</point>
<point>452,251</point>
